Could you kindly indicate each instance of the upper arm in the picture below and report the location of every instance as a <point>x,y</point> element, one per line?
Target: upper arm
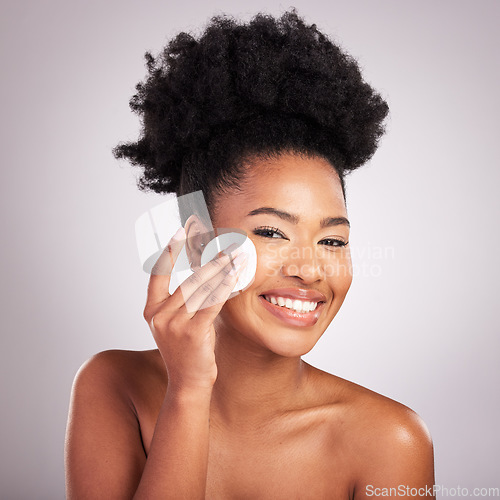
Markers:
<point>400,460</point>
<point>104,456</point>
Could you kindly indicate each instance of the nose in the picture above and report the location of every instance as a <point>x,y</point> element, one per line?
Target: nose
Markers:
<point>303,263</point>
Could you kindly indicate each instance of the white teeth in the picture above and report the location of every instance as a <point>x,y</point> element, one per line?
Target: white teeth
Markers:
<point>296,305</point>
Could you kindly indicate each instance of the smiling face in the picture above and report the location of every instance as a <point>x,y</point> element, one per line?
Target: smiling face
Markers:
<point>293,210</point>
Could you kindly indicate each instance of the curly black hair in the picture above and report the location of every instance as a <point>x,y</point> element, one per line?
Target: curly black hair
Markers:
<point>244,91</point>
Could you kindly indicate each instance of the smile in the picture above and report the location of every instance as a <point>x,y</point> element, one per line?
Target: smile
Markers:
<point>297,305</point>
<point>292,312</point>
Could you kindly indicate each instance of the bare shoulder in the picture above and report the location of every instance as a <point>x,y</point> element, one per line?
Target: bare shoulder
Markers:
<point>393,440</point>
<point>371,414</point>
<point>117,381</point>
<point>383,420</point>
<point>124,362</point>
<point>104,439</point>
<point>121,368</point>
<point>136,376</point>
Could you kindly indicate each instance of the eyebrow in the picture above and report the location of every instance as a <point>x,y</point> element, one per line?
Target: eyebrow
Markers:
<point>294,219</point>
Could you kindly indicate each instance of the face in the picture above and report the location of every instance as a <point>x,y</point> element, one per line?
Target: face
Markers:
<point>293,210</point>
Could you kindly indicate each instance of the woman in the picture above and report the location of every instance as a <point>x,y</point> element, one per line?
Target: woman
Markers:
<point>266,118</point>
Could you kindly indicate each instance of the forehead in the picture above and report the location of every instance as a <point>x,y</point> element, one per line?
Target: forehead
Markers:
<point>308,187</point>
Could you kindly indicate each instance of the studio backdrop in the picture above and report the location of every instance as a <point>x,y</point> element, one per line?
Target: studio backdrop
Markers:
<point>420,323</point>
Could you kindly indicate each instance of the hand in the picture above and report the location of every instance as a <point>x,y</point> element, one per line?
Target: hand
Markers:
<point>182,323</point>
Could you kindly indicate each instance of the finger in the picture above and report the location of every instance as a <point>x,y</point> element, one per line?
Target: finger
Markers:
<point>217,289</point>
<point>216,300</point>
<point>199,277</point>
<point>209,310</point>
<point>159,280</point>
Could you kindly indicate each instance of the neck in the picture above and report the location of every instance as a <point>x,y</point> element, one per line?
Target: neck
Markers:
<point>253,384</point>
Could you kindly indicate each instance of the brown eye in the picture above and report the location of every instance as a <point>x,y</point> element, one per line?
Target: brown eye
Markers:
<point>332,242</point>
<point>268,232</point>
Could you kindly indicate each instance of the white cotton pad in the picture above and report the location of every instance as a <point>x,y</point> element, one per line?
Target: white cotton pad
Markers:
<point>223,241</point>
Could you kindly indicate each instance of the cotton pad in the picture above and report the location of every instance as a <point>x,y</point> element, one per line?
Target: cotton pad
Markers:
<point>222,242</point>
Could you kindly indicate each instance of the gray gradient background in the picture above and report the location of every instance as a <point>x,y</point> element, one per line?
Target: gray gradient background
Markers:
<point>419,325</point>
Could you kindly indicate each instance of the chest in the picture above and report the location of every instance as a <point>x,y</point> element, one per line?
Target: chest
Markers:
<point>296,458</point>
<point>276,467</point>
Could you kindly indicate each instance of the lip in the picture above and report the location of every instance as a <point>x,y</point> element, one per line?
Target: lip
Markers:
<point>292,318</point>
<point>296,293</point>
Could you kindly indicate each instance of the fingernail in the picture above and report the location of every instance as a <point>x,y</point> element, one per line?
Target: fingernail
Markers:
<point>234,271</point>
<point>231,248</point>
<point>238,263</point>
<point>240,259</point>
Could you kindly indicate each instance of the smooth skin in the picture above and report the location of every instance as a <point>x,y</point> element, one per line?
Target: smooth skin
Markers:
<point>225,408</point>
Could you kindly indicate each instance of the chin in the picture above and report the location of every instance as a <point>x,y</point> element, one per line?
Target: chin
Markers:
<point>291,342</point>
<point>292,350</point>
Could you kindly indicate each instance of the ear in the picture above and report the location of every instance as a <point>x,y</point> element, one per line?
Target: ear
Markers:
<point>197,237</point>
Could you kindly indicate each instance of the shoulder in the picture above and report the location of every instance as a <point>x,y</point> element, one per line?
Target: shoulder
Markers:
<point>388,442</point>
<point>397,448</point>
<point>119,366</point>
<point>383,420</point>
<point>371,414</point>
<point>104,446</point>
<point>389,430</point>
<point>120,375</point>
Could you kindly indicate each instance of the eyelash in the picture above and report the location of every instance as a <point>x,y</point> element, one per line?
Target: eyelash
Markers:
<point>267,229</point>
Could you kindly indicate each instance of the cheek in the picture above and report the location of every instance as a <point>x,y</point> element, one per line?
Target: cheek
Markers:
<point>336,267</point>
<point>339,273</point>
<point>269,261</point>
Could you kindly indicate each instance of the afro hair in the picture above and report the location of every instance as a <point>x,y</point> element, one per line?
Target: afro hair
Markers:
<point>240,91</point>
